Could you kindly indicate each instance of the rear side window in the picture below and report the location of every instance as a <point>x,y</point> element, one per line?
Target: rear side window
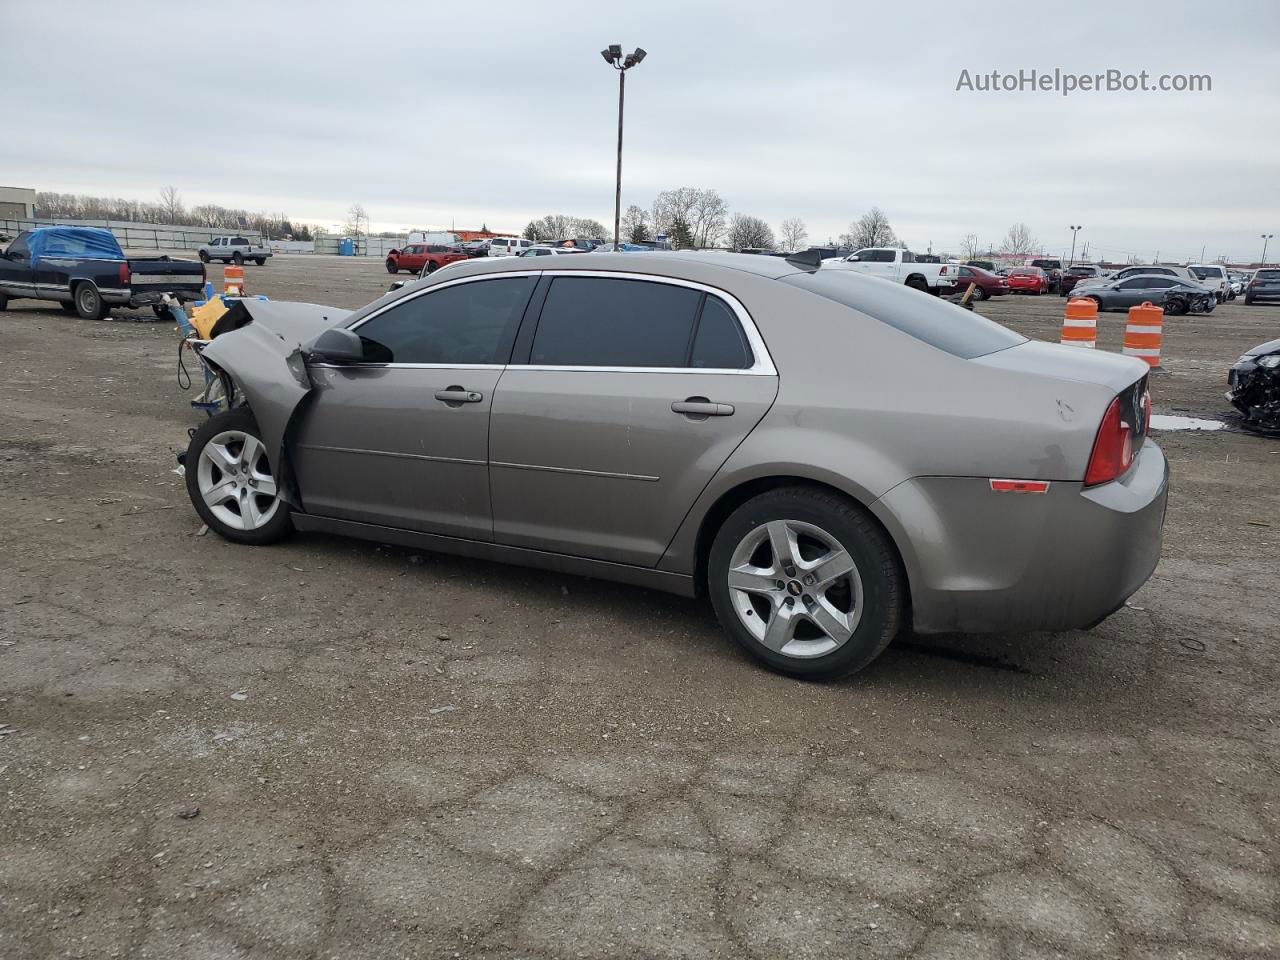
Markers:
<point>466,323</point>
<point>928,319</point>
<point>605,322</point>
<point>719,343</point>
<point>1268,275</point>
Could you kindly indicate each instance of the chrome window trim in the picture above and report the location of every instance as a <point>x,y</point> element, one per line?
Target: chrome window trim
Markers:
<point>762,363</point>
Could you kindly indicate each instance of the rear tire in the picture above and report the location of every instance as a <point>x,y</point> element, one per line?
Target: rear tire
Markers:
<point>1248,301</point>
<point>980,294</point>
<point>234,505</point>
<point>918,283</point>
<point>831,630</point>
<point>260,261</point>
<point>89,302</point>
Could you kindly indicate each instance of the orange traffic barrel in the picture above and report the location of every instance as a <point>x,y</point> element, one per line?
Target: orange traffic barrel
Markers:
<point>1143,332</point>
<point>233,281</point>
<point>1080,325</point>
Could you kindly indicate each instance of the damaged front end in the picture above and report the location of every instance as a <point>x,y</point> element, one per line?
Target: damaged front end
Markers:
<point>1254,384</point>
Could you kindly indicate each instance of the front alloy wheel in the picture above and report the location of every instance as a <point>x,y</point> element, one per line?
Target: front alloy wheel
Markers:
<point>231,482</point>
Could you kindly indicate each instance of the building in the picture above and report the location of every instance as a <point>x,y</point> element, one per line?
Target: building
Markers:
<point>17,203</point>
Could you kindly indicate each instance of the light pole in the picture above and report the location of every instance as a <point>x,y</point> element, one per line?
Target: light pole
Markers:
<point>1074,230</point>
<point>613,56</point>
<point>1265,238</point>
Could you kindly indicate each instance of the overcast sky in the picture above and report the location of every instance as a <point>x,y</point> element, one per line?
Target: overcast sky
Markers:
<point>437,113</point>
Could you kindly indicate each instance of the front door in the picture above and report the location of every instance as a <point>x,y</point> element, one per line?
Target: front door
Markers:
<point>15,269</point>
<point>634,393</point>
<point>403,438</point>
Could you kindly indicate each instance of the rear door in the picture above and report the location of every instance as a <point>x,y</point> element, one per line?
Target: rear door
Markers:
<point>403,439</point>
<point>633,392</point>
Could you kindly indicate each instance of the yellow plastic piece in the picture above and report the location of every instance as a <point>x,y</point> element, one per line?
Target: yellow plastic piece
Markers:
<point>205,316</point>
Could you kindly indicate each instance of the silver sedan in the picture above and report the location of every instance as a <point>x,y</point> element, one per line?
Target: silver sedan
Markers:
<point>830,457</point>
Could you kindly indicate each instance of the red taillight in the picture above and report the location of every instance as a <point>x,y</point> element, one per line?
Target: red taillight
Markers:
<point>1112,448</point>
<point>124,273</point>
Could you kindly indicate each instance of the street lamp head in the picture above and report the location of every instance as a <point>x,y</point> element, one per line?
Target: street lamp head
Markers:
<point>615,51</point>
<point>607,53</point>
<point>638,55</point>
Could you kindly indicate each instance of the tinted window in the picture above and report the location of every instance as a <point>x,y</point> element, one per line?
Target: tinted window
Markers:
<point>19,246</point>
<point>460,324</point>
<point>1158,283</point>
<point>907,256</point>
<point>929,319</point>
<point>1262,274</point>
<point>1136,283</point>
<point>719,343</point>
<point>875,256</point>
<point>602,322</point>
<point>239,242</point>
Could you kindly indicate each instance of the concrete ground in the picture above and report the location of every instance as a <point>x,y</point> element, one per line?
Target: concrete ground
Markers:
<point>332,749</point>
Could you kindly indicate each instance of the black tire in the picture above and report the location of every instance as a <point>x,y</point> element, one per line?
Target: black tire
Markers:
<point>67,307</point>
<point>1248,301</point>
<point>204,257</point>
<point>432,266</point>
<point>1175,307</point>
<point>1097,302</point>
<point>391,267</point>
<point>260,261</point>
<point>238,259</point>
<point>980,294</point>
<point>878,565</point>
<point>917,283</point>
<point>89,302</point>
<point>240,419</point>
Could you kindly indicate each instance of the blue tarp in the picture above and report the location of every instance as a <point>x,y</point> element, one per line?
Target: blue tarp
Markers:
<point>94,243</point>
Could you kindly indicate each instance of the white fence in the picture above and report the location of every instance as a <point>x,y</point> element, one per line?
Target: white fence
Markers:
<point>136,236</point>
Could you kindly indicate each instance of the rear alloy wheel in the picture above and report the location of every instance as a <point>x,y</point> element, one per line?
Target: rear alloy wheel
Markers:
<point>806,582</point>
<point>231,483</point>
<point>89,303</point>
<point>980,294</point>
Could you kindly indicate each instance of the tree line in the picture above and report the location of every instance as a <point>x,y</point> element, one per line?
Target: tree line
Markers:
<point>169,209</point>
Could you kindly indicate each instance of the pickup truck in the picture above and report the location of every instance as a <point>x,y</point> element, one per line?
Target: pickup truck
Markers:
<point>898,266</point>
<point>416,257</point>
<point>86,272</point>
<point>233,250</point>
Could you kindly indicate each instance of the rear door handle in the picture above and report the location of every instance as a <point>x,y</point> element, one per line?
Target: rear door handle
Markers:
<point>699,408</point>
<point>456,395</point>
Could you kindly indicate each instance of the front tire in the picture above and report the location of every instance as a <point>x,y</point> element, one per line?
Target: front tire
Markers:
<point>231,482</point>
<point>806,582</point>
<point>432,266</point>
<point>392,268</point>
<point>204,257</point>
<point>4,302</point>
<point>1175,307</point>
<point>89,302</point>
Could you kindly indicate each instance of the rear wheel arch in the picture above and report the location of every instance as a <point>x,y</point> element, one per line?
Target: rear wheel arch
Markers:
<point>732,499</point>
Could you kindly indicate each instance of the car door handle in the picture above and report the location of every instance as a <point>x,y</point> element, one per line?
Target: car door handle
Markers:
<point>699,408</point>
<point>458,395</point>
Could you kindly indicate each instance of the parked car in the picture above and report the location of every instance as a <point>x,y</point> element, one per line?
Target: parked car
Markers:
<point>233,250</point>
<point>1143,270</point>
<point>1254,383</point>
<point>427,270</point>
<point>508,246</point>
<point>1080,273</point>
<point>988,284</point>
<point>830,457</point>
<point>541,251</point>
<point>86,272</point>
<point>1028,280</point>
<point>1175,295</point>
<point>476,248</point>
<point>1054,269</point>
<point>984,264</point>
<point>1263,285</point>
<point>898,266</point>
<point>1237,281</point>
<point>422,256</point>
<point>1214,276</point>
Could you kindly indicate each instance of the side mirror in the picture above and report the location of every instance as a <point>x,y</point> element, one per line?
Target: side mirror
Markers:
<point>338,345</point>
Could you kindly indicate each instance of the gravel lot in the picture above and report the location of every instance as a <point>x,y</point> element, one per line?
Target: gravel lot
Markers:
<point>397,754</point>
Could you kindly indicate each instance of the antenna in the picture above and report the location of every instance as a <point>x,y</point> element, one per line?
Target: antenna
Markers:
<point>807,260</point>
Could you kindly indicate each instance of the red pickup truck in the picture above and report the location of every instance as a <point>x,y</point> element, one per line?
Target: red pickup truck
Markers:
<point>415,256</point>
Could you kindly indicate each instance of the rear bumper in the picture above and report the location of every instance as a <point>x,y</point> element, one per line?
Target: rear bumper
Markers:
<point>142,298</point>
<point>979,561</point>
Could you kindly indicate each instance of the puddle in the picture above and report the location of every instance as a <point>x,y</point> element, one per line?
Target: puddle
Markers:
<point>1160,422</point>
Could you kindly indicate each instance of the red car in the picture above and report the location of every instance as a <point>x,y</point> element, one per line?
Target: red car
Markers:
<point>415,256</point>
<point>989,284</point>
<point>1028,280</point>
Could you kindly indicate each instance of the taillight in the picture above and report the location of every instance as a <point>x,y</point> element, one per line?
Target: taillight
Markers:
<point>1112,448</point>
<point>125,274</point>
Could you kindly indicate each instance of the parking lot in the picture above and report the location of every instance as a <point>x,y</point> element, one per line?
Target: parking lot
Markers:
<point>332,748</point>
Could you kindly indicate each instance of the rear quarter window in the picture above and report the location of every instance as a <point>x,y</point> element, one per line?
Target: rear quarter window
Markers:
<point>929,319</point>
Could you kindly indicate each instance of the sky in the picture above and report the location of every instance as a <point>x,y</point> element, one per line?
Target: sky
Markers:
<point>431,115</point>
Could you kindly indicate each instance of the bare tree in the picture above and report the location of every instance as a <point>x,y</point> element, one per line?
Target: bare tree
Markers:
<point>969,249</point>
<point>1018,241</point>
<point>746,232</point>
<point>703,210</point>
<point>171,208</point>
<point>635,224</point>
<point>870,230</point>
<point>793,234</point>
<point>672,205</point>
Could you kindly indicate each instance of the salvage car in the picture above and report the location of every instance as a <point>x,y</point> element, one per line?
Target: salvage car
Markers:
<point>86,272</point>
<point>1174,295</point>
<point>1031,280</point>
<point>1080,273</point>
<point>1053,268</point>
<point>1254,384</point>
<point>986,283</point>
<point>422,256</point>
<point>1265,285</point>
<point>664,420</point>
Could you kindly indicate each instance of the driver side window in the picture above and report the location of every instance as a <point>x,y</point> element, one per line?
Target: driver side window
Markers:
<point>18,250</point>
<point>463,324</point>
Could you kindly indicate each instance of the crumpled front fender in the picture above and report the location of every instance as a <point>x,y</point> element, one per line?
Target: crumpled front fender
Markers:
<point>265,359</point>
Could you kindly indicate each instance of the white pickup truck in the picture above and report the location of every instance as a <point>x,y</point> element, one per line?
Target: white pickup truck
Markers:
<point>233,250</point>
<point>898,266</point>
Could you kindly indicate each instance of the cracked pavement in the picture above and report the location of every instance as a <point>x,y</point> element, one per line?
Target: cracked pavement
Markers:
<point>435,757</point>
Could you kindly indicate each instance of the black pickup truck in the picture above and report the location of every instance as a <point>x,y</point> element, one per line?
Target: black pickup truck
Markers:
<point>84,270</point>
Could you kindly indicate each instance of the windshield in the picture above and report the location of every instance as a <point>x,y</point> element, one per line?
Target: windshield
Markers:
<point>1268,275</point>
<point>938,323</point>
